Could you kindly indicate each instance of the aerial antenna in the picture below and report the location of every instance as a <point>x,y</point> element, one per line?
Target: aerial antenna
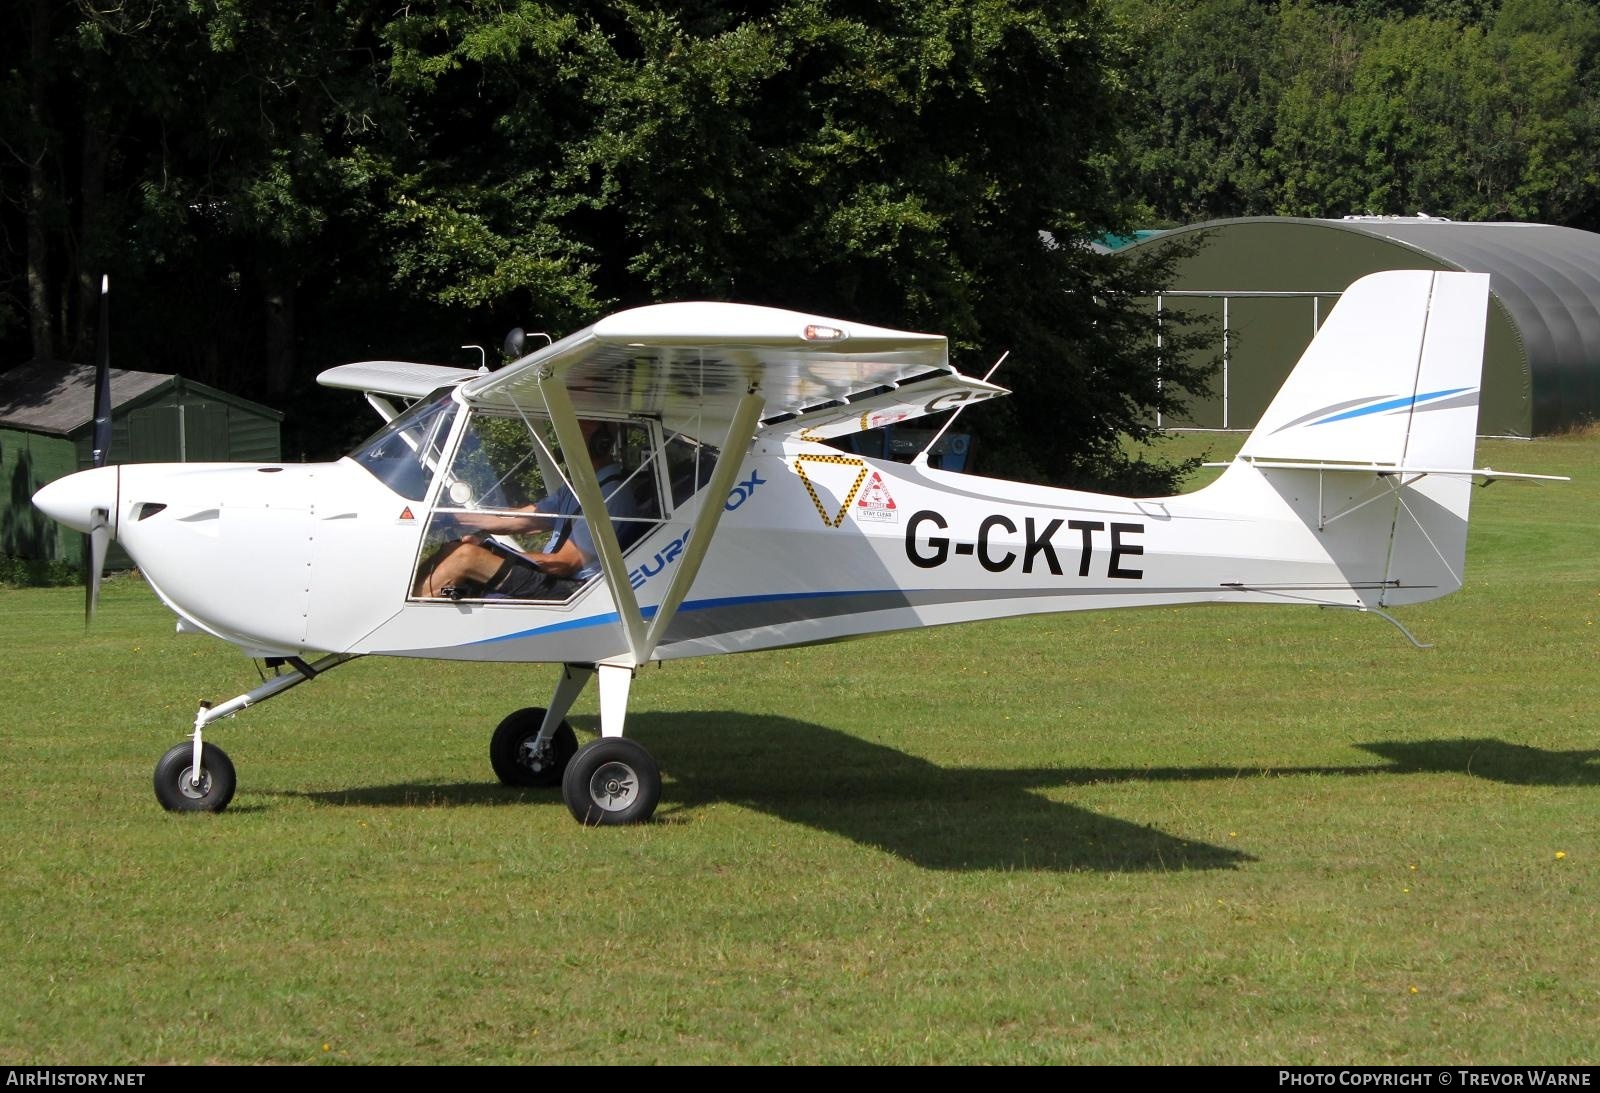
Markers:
<point>921,458</point>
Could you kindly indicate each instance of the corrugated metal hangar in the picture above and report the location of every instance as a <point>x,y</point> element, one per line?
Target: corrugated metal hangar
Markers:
<point>1270,281</point>
<point>46,421</point>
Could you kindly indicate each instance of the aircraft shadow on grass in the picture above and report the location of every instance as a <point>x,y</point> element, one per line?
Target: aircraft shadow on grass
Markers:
<point>959,818</point>
<point>1494,760</point>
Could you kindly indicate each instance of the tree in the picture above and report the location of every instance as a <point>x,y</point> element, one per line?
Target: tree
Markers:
<point>893,162</point>
<point>1203,74</point>
<point>1472,109</point>
<point>288,184</point>
<point>899,163</point>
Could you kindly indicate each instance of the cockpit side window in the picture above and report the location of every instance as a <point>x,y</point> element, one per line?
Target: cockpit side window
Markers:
<point>689,466</point>
<point>506,523</point>
<point>406,453</point>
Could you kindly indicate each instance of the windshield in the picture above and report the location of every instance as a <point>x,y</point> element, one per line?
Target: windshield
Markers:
<point>404,454</point>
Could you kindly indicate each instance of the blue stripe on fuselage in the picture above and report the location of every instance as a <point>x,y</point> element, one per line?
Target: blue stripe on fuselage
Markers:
<point>689,606</point>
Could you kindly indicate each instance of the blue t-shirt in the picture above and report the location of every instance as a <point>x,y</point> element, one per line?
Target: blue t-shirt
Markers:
<point>620,503</point>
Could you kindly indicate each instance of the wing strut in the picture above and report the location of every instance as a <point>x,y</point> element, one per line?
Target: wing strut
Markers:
<point>586,485</point>
<point>741,432</point>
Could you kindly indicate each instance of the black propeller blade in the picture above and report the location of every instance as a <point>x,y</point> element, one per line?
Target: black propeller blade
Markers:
<point>102,378</point>
<point>98,537</point>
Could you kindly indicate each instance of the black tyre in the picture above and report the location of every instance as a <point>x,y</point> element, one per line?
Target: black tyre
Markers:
<point>513,758</point>
<point>611,781</point>
<point>175,788</point>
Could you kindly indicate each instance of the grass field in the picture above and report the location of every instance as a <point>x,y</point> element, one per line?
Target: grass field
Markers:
<point>1165,836</point>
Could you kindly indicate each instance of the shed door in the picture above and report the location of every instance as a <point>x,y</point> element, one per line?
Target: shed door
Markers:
<point>192,432</point>
<point>205,432</point>
<point>153,435</point>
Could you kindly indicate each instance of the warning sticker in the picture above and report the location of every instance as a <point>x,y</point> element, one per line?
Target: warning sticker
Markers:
<point>875,502</point>
<point>822,465</point>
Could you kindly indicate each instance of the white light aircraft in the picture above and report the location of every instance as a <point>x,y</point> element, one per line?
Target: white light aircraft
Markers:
<point>656,486</point>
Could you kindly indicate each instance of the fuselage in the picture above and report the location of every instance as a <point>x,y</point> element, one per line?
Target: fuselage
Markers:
<point>813,545</point>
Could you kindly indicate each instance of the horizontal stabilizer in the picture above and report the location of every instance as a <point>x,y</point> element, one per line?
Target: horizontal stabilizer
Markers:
<point>1488,474</point>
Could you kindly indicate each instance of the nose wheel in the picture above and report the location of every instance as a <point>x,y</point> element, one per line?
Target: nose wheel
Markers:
<point>179,790</point>
<point>611,781</point>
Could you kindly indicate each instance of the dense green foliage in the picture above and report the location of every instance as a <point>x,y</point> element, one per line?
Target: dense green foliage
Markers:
<point>1472,110</point>
<point>279,187</point>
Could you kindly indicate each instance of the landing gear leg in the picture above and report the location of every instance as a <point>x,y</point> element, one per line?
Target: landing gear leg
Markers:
<point>612,780</point>
<point>532,746</point>
<point>198,777</point>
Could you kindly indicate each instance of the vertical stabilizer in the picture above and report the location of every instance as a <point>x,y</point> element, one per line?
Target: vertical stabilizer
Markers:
<point>1391,378</point>
<point>1372,435</point>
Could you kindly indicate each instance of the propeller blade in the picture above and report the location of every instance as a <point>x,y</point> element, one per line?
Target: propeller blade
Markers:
<point>102,378</point>
<point>96,541</point>
<point>98,538</point>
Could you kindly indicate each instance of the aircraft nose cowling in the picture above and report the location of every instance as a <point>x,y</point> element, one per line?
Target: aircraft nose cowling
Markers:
<point>72,500</point>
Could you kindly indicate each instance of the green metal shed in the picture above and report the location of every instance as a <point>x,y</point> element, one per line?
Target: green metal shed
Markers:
<point>1270,281</point>
<point>47,416</point>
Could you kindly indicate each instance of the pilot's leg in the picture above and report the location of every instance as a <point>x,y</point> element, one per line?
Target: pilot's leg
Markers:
<point>460,563</point>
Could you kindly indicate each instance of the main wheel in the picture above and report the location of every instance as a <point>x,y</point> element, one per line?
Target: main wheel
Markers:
<point>176,790</point>
<point>611,781</point>
<point>512,753</point>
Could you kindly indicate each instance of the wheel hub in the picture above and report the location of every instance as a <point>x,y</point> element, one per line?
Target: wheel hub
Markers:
<point>187,787</point>
<point>533,755</point>
<point>613,786</point>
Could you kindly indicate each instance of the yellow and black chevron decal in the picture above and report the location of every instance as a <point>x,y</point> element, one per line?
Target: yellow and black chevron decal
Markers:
<point>843,460</point>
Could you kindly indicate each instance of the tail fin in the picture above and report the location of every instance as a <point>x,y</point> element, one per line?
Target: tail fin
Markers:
<point>1383,410</point>
<point>1391,378</point>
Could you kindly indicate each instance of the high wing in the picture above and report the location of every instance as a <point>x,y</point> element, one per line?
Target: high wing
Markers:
<point>722,373</point>
<point>693,364</point>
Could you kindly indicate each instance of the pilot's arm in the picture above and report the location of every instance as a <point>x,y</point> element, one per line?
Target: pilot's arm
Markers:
<point>564,562</point>
<point>578,552</point>
<point>528,519</point>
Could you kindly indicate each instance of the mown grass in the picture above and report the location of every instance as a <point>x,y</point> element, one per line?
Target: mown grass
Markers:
<point>1200,835</point>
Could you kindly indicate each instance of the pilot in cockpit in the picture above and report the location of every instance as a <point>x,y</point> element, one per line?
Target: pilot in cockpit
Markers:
<point>477,565</point>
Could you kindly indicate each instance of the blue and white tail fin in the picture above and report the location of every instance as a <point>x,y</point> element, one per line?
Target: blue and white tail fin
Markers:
<point>1371,438</point>
<point>1392,377</point>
